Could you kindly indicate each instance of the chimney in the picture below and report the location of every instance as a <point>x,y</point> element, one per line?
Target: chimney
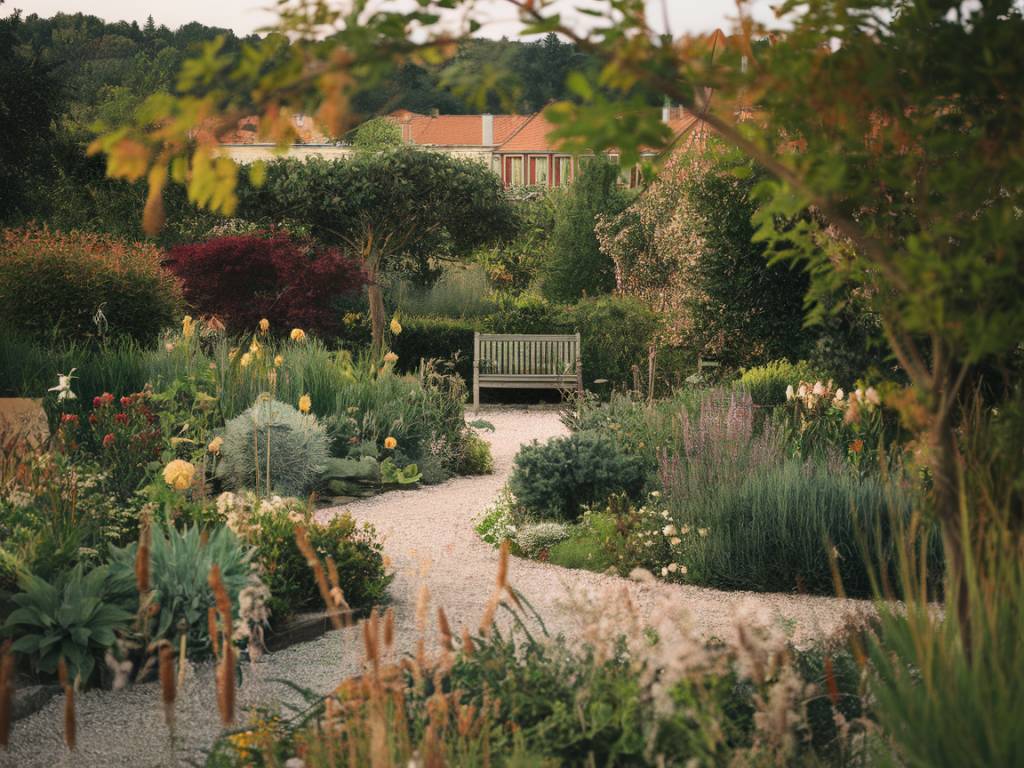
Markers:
<point>666,112</point>
<point>435,112</point>
<point>488,126</point>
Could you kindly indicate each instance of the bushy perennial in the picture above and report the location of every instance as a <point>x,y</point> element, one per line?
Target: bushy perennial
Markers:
<point>273,438</point>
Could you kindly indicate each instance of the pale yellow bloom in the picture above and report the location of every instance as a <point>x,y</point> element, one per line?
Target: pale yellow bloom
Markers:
<point>246,359</point>
<point>278,359</point>
<point>390,357</point>
<point>396,327</point>
<point>188,327</point>
<point>264,325</point>
<point>305,404</point>
<point>215,444</point>
<point>675,541</point>
<point>298,334</point>
<point>390,443</point>
<point>669,530</point>
<point>254,347</point>
<point>178,474</point>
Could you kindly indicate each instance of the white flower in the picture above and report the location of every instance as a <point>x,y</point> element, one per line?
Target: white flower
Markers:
<point>63,388</point>
<point>790,394</point>
<point>686,530</point>
<point>819,389</point>
<point>682,570</point>
<point>802,391</point>
<point>655,494</point>
<point>872,396</point>
<point>839,395</point>
<point>669,530</point>
<point>675,541</point>
<point>672,567</point>
<point>664,571</point>
<point>702,532</point>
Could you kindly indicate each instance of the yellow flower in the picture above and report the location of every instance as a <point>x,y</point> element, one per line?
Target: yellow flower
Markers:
<point>179,473</point>
<point>278,359</point>
<point>390,443</point>
<point>298,334</point>
<point>187,326</point>
<point>215,444</point>
<point>246,359</point>
<point>264,325</point>
<point>305,404</point>
<point>396,327</point>
<point>390,357</point>
<point>254,347</point>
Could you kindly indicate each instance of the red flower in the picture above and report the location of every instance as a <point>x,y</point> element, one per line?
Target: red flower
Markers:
<point>857,445</point>
<point>92,418</point>
<point>107,398</point>
<point>108,440</point>
<point>121,418</point>
<point>68,418</point>
<point>97,402</point>
<point>126,401</point>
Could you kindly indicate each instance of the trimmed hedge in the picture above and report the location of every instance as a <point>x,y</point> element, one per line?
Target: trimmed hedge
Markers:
<point>442,338</point>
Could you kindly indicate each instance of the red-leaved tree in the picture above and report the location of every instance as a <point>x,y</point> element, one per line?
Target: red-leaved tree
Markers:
<point>242,279</point>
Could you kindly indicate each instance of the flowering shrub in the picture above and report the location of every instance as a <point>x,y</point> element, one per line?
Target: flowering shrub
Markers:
<point>269,525</point>
<point>82,286</point>
<point>247,278</point>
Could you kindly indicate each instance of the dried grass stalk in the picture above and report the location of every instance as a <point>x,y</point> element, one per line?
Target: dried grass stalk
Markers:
<point>445,630</point>
<point>226,684</point>
<point>168,689</point>
<point>6,692</point>
<point>70,726</point>
<point>142,559</point>
<point>302,541</point>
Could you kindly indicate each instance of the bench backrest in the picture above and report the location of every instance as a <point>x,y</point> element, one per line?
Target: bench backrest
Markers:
<point>525,354</point>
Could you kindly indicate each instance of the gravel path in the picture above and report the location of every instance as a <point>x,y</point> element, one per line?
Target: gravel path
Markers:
<point>428,536</point>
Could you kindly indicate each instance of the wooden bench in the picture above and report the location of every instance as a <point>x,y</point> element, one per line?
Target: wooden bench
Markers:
<point>526,361</point>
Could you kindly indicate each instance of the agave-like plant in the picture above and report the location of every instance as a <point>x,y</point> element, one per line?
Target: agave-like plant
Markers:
<point>180,564</point>
<point>75,619</point>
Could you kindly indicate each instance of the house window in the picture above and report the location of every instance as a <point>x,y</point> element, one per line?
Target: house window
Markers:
<point>563,170</point>
<point>539,166</point>
<point>496,164</point>
<point>516,178</point>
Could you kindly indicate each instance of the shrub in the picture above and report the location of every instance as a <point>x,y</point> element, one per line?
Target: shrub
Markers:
<point>556,479</point>
<point>245,278</point>
<point>575,266</point>
<point>616,333</point>
<point>294,445</point>
<point>77,287</point>
<point>269,526</point>
<point>180,563</point>
<point>476,456</point>
<point>73,618</point>
<point>127,437</point>
<point>498,522</point>
<point>534,539</point>
<point>435,338</point>
<point>767,383</point>
<point>587,547</point>
<point>526,313</point>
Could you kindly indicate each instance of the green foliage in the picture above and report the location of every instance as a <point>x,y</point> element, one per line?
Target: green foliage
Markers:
<point>556,479</point>
<point>377,134</point>
<point>498,522</point>
<point>272,433</point>
<point>73,618</point>
<point>354,548</point>
<point>525,313</point>
<point>352,476</point>
<point>587,545</point>
<point>80,287</point>
<point>392,474</point>
<point>180,563</point>
<point>616,333</point>
<point>514,263</point>
<point>575,266</point>
<point>476,458</point>
<point>767,383</point>
<point>436,338</point>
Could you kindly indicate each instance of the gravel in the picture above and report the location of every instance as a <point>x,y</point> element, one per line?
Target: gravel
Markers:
<point>428,537</point>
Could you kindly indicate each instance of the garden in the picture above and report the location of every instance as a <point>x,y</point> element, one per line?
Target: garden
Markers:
<point>248,517</point>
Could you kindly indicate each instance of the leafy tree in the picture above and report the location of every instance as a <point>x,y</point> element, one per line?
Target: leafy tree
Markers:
<point>377,134</point>
<point>394,207</point>
<point>575,265</point>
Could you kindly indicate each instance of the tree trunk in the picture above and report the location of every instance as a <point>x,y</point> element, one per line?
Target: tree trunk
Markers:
<point>377,311</point>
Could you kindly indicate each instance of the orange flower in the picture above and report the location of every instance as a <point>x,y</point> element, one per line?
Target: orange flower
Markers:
<point>857,445</point>
<point>390,443</point>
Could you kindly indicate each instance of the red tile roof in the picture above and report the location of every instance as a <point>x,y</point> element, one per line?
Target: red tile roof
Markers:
<point>449,130</point>
<point>534,135</point>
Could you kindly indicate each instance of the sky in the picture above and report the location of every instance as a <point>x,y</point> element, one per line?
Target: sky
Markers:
<point>245,16</point>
